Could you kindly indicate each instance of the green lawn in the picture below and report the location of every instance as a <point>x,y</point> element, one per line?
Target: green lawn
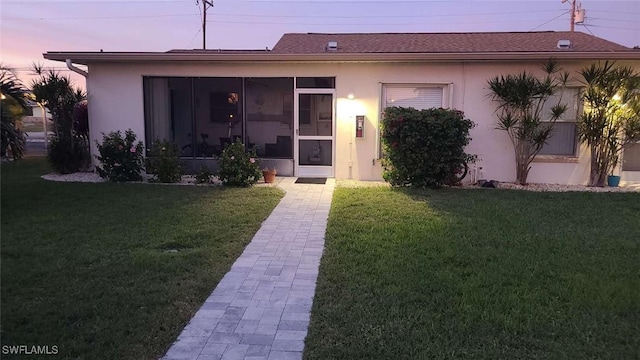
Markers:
<point>86,267</point>
<point>478,274</point>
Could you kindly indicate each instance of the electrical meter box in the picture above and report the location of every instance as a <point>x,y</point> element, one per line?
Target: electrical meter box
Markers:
<point>359,126</point>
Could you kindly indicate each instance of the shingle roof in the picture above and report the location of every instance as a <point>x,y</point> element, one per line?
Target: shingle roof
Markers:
<point>313,43</point>
<point>389,47</point>
<point>216,51</point>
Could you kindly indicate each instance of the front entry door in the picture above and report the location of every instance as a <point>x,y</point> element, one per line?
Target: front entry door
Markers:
<point>315,131</point>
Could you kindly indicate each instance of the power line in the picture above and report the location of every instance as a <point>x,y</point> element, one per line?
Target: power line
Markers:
<point>100,17</point>
<point>346,2</point>
<point>327,17</point>
<point>589,30</point>
<point>615,20</point>
<point>194,36</point>
<point>283,16</point>
<point>361,24</point>
<point>614,27</point>
<point>385,16</point>
<point>154,2</point>
<point>555,18</point>
<point>620,12</point>
<point>302,16</point>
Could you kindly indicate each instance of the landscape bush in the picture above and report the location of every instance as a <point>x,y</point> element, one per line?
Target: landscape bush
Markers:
<point>203,176</point>
<point>120,157</point>
<point>424,148</point>
<point>67,154</point>
<point>13,106</point>
<point>238,166</point>
<point>163,162</point>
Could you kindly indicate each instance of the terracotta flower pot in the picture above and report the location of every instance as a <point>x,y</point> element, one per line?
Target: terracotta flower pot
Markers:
<point>269,175</point>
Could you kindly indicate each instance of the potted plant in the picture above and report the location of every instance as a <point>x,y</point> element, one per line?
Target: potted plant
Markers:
<point>613,180</point>
<point>269,175</point>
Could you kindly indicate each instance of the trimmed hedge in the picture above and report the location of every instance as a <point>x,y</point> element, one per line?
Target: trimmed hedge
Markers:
<point>424,148</point>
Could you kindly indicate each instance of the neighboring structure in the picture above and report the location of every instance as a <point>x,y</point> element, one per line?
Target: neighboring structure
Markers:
<point>300,103</point>
<point>36,113</point>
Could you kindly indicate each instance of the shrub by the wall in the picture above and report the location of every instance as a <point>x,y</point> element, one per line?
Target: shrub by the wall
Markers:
<point>67,154</point>
<point>203,176</point>
<point>238,167</point>
<point>424,147</point>
<point>163,162</point>
<point>120,157</point>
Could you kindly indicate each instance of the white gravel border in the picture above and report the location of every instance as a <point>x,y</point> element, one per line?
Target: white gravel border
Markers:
<point>90,177</point>
<point>513,186</point>
<point>566,188</point>
<point>87,177</point>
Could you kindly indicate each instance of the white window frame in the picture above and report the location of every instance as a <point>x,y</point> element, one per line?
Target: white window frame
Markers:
<point>447,96</point>
<point>622,163</point>
<point>579,110</point>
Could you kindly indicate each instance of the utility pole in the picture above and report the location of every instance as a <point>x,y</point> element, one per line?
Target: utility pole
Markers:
<point>575,11</point>
<point>206,4</point>
<point>573,15</point>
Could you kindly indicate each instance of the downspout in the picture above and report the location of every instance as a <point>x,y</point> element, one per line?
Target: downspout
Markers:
<point>76,69</point>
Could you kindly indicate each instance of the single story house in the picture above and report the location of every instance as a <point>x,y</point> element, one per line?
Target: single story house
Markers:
<point>35,113</point>
<point>312,105</point>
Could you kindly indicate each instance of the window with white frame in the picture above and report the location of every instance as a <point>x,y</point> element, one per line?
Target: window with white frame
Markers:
<point>631,157</point>
<point>564,139</point>
<point>417,96</point>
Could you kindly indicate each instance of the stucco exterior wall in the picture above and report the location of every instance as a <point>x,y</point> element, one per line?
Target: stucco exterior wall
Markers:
<point>116,103</point>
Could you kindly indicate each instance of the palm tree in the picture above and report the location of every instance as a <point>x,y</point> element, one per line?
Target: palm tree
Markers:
<point>612,115</point>
<point>57,94</point>
<point>521,98</point>
<point>68,150</point>
<point>12,106</point>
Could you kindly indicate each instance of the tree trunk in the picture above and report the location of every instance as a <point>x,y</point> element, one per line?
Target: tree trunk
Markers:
<point>522,171</point>
<point>522,165</point>
<point>599,167</point>
<point>597,178</point>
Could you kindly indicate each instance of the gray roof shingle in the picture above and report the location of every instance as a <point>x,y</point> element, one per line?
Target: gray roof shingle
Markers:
<point>482,42</point>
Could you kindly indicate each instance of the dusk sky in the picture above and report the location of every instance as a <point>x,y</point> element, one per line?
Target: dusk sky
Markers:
<point>31,27</point>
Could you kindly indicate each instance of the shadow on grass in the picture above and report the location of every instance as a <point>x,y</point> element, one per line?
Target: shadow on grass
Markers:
<point>86,266</point>
<point>476,273</point>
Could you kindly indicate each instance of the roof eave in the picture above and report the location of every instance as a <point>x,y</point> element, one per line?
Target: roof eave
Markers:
<point>87,58</point>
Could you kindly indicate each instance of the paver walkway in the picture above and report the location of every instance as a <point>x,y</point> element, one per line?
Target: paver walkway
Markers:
<point>260,309</point>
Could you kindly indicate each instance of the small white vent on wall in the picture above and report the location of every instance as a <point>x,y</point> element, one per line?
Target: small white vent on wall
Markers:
<point>564,44</point>
<point>332,46</point>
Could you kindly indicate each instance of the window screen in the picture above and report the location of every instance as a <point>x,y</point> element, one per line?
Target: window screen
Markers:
<point>316,83</point>
<point>416,97</point>
<point>568,96</point>
<point>563,141</point>
<point>631,157</point>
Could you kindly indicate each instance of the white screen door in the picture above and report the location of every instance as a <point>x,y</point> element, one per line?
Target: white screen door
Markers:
<point>315,133</point>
